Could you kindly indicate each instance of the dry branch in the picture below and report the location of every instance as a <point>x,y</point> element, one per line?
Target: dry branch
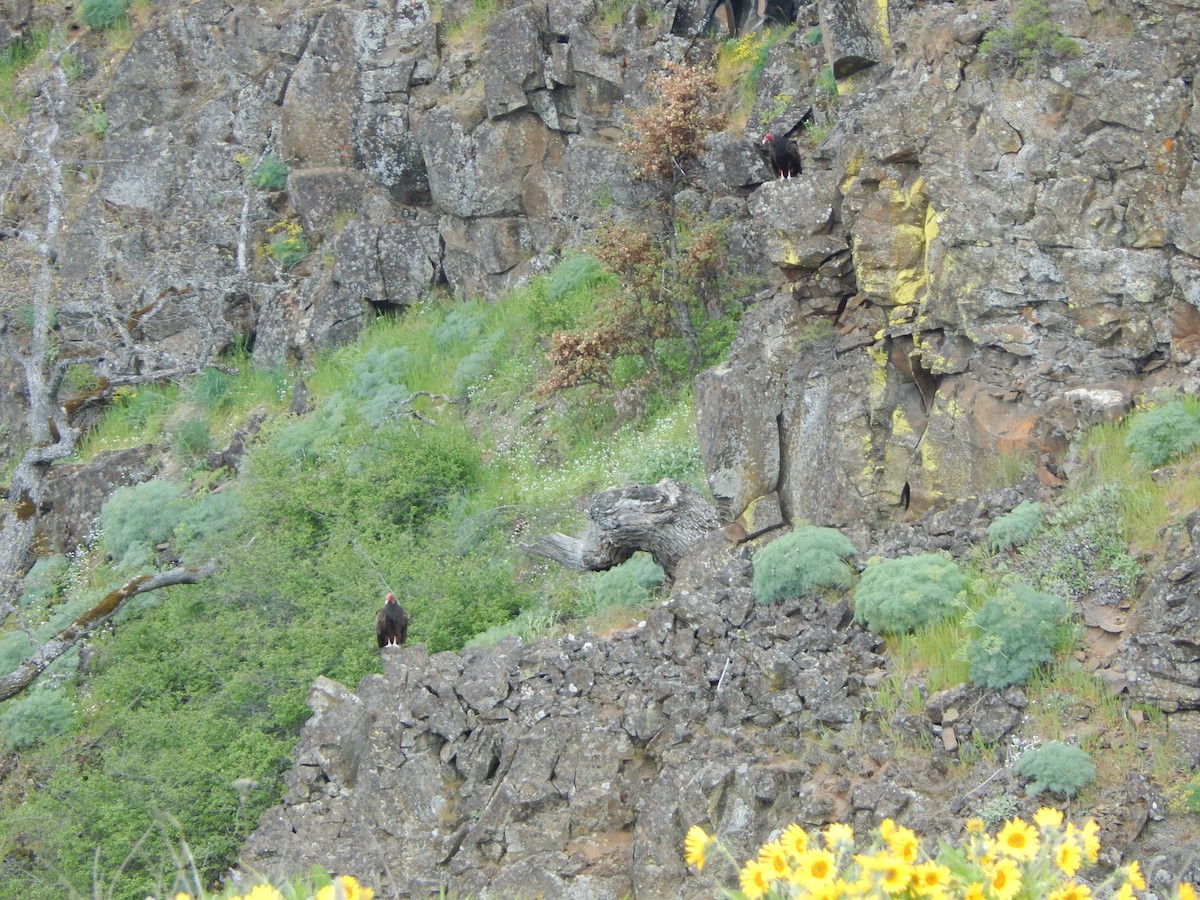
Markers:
<point>32,666</point>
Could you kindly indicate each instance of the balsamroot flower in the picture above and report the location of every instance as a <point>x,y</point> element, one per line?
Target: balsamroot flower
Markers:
<point>694,846</point>
<point>795,840</point>
<point>1004,879</point>
<point>1048,818</point>
<point>1018,840</point>
<point>1068,857</point>
<point>350,889</point>
<point>1072,891</point>
<point>813,869</point>
<point>1133,876</point>
<point>755,880</point>
<point>839,837</point>
<point>774,858</point>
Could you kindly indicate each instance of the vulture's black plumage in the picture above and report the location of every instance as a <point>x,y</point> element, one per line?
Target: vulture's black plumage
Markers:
<point>782,151</point>
<point>391,623</point>
<point>782,154</point>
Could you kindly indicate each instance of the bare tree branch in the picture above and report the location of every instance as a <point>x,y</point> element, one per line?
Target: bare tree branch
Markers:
<point>32,666</point>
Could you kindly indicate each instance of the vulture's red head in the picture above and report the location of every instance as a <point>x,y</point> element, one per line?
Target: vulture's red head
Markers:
<point>768,138</point>
<point>390,598</point>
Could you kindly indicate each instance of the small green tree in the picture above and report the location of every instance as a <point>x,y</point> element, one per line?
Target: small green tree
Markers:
<point>1030,44</point>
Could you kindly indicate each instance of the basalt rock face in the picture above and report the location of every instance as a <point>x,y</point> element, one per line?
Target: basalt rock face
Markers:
<point>568,768</point>
<point>572,767</point>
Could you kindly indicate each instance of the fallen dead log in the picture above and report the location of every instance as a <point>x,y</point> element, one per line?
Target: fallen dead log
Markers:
<point>663,519</point>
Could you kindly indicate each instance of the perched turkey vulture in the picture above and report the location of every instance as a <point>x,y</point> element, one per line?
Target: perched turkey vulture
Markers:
<point>391,623</point>
<point>782,152</point>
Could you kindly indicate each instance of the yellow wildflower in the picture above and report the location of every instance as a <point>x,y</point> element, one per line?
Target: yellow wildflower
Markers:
<point>265,892</point>
<point>1047,817</point>
<point>974,826</point>
<point>1018,840</point>
<point>1185,892</point>
<point>350,889</point>
<point>892,873</point>
<point>904,844</point>
<point>839,836</point>
<point>1091,840</point>
<point>1068,857</point>
<point>1004,879</point>
<point>694,845</point>
<point>814,868</point>
<point>1133,876</point>
<point>929,879</point>
<point>755,880</point>
<point>1125,892</point>
<point>1071,891</point>
<point>774,858</point>
<point>795,839</point>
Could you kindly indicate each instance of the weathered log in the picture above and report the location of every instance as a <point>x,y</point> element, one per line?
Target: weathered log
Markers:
<point>663,519</point>
<point>32,666</point>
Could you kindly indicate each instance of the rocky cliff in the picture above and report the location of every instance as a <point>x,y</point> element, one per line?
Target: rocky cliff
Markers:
<point>572,767</point>
<point>974,261</point>
<point>1004,256</point>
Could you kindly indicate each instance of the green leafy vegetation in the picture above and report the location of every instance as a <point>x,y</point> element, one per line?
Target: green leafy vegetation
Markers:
<point>38,716</point>
<point>899,595</point>
<point>1032,43</point>
<point>18,54</point>
<point>806,559</point>
<point>1157,436</point>
<point>137,517</point>
<point>1017,630</point>
<point>1015,527</point>
<point>101,14</point>
<point>1058,767</point>
<point>270,174</point>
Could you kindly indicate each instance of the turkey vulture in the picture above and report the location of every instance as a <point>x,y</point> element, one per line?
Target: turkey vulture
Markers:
<point>391,623</point>
<point>782,152</point>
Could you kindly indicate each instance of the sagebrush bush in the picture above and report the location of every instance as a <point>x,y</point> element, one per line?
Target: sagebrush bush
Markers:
<point>99,14</point>
<point>630,584</point>
<point>1016,527</point>
<point>1160,435</point>
<point>376,386</point>
<point>137,517</point>
<point>39,715</point>
<point>808,558</point>
<point>207,518</point>
<point>14,647</point>
<point>1016,631</point>
<point>1057,767</point>
<point>894,596</point>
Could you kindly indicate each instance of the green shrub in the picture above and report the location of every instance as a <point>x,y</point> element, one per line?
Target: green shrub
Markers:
<point>135,518</point>
<point>1016,527</point>
<point>632,583</point>
<point>1058,767</point>
<point>899,595</point>
<point>1032,43</point>
<point>14,647</point>
<point>679,462</point>
<point>461,327</point>
<point>575,273</point>
<point>207,518</point>
<point>45,580</point>
<point>1018,630</point>
<point>807,559</point>
<point>100,14</point>
<point>270,174</point>
<point>376,384</point>
<point>191,441</point>
<point>36,717</point>
<point>288,245</point>
<point>1159,435</point>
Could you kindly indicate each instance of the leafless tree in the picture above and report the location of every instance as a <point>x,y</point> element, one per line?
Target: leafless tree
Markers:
<point>33,206</point>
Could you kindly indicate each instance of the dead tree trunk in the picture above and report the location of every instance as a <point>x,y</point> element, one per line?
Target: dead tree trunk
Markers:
<point>663,519</point>
<point>32,666</point>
